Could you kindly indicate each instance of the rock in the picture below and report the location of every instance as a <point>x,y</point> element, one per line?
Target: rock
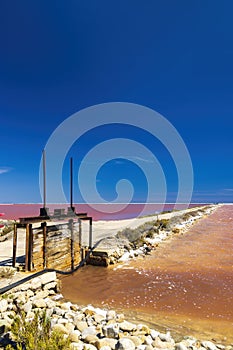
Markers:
<point>70,326</point>
<point>51,285</point>
<point>165,336</point>
<point>27,307</point>
<point>105,347</point>
<point>120,318</point>
<point>66,306</point>
<point>88,331</point>
<point>39,303</point>
<point>143,329</point>
<point>98,318</point>
<point>35,283</point>
<point>158,343</point>
<point>142,347</point>
<point>181,346</point>
<point>91,339</point>
<point>58,311</point>
<point>89,347</point>
<point>29,293</point>
<point>81,325</point>
<point>148,340</point>
<point>75,336</point>
<point>209,345</point>
<point>100,343</point>
<point>50,303</point>
<point>111,315</point>
<point>154,334</point>
<point>111,331</point>
<point>125,344</point>
<point>48,277</point>
<point>76,346</point>
<point>60,328</point>
<point>136,340</point>
<point>3,305</point>
<point>41,295</point>
<point>127,326</point>
<point>62,320</point>
<point>25,286</point>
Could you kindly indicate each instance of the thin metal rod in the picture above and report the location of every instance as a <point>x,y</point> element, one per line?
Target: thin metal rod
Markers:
<point>44,178</point>
<point>71,182</point>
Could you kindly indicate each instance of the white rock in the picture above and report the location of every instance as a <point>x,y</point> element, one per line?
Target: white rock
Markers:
<point>154,334</point>
<point>75,336</point>
<point>61,328</point>
<point>89,331</point>
<point>50,285</point>
<point>48,277</point>
<point>3,305</point>
<point>127,326</point>
<point>165,336</point>
<point>124,257</point>
<point>89,347</point>
<point>76,346</point>
<point>209,345</point>
<point>111,331</point>
<point>40,303</point>
<point>27,307</point>
<point>125,344</point>
<point>35,283</point>
<point>181,346</point>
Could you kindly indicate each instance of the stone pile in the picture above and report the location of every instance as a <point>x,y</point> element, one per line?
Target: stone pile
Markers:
<point>88,328</point>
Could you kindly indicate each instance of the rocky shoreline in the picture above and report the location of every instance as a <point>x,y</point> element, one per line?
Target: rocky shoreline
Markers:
<point>130,243</point>
<point>87,328</point>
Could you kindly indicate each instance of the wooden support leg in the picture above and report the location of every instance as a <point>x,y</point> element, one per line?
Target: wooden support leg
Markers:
<point>71,223</point>
<point>44,228</point>
<point>27,249</point>
<point>14,246</point>
<point>90,233</point>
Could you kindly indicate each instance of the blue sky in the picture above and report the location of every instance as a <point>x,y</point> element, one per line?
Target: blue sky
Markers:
<point>175,57</point>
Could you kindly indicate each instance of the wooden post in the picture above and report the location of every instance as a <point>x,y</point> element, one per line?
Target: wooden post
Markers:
<point>90,233</point>
<point>44,228</point>
<point>30,247</point>
<point>27,248</point>
<point>80,232</point>
<point>14,246</point>
<point>71,227</point>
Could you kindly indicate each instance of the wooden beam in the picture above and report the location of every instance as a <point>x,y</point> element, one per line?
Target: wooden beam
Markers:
<point>71,227</point>
<point>14,246</point>
<point>27,248</point>
<point>44,228</point>
<point>30,248</point>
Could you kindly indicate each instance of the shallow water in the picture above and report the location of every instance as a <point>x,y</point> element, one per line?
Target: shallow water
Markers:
<point>185,285</point>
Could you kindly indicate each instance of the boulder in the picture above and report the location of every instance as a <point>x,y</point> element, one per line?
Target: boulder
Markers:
<point>125,344</point>
<point>209,345</point>
<point>60,328</point>
<point>100,343</point>
<point>126,326</point>
<point>111,331</point>
<point>75,336</point>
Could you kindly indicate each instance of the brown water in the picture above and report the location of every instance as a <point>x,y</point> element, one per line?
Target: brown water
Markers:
<point>184,286</point>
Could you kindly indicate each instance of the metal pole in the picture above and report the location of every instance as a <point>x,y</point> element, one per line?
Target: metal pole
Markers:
<point>71,182</point>
<point>44,178</point>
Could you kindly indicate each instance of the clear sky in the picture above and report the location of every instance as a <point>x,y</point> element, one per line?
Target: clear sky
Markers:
<point>175,57</point>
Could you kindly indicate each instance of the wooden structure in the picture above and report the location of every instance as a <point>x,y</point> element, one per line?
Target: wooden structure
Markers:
<point>53,244</point>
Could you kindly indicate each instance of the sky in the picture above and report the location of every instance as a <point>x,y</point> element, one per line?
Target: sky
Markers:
<point>60,57</point>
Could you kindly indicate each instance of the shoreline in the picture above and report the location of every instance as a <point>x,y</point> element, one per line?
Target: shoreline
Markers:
<point>88,327</point>
<point>158,339</point>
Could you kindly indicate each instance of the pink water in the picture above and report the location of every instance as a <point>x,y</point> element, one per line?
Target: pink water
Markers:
<point>97,211</point>
<point>185,285</point>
